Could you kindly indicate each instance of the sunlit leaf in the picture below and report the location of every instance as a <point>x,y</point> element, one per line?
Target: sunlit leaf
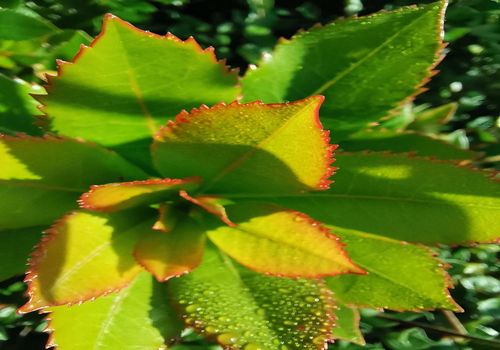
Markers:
<point>129,83</point>
<point>137,317</point>
<point>83,256</point>
<point>122,195</point>
<point>276,241</point>
<point>364,66</point>
<point>252,148</point>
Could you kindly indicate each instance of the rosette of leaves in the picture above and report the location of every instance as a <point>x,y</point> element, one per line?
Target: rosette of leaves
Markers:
<point>224,219</point>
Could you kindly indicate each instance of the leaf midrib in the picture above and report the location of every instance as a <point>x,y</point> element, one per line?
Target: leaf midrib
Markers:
<point>352,68</point>
<point>246,155</point>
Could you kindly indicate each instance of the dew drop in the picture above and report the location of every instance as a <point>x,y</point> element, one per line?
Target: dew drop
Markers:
<point>226,338</point>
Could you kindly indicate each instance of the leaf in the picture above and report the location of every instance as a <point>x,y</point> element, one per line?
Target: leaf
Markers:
<point>123,195</point>
<point>15,249</point>
<point>385,140</point>
<point>347,324</point>
<point>431,120</point>
<point>245,310</point>
<point>211,204</point>
<point>137,317</point>
<point>83,256</point>
<point>276,241</point>
<point>23,25</point>
<point>131,82</point>
<point>401,276</point>
<point>363,66</point>
<point>171,254</point>
<point>17,108</point>
<point>248,148</point>
<point>51,173</point>
<point>405,198</point>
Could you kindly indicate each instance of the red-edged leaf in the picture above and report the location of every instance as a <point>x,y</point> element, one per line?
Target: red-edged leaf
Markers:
<point>129,82</point>
<point>83,256</point>
<point>122,195</point>
<point>281,242</point>
<point>250,148</point>
<point>211,205</point>
<point>172,254</point>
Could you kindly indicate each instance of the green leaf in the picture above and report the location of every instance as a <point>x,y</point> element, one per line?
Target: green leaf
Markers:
<point>23,24</point>
<point>131,82</point>
<point>138,317</point>
<point>405,198</point>
<point>421,145</point>
<point>15,249</point>
<point>123,195</point>
<point>174,253</point>
<point>364,66</point>
<point>51,173</point>
<point>248,148</point>
<point>347,324</point>
<point>401,276</point>
<point>83,256</point>
<point>245,310</point>
<point>281,242</point>
<point>430,121</point>
<point>17,108</point>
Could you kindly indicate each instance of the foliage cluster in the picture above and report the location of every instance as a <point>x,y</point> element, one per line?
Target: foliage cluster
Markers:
<point>280,162</point>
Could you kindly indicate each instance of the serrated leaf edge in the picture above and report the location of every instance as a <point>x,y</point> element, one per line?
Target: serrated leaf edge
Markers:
<point>32,273</point>
<point>184,117</point>
<point>84,200</point>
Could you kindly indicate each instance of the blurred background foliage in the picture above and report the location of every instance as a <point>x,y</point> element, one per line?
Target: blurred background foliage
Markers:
<point>34,33</point>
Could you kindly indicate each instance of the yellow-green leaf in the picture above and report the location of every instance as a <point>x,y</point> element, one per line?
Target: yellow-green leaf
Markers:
<point>174,253</point>
<point>137,317</point>
<point>129,83</point>
<point>83,256</point>
<point>253,147</point>
<point>276,241</point>
<point>123,195</point>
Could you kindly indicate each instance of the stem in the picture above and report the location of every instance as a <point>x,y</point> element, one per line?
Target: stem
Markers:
<point>454,321</point>
<point>495,344</point>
